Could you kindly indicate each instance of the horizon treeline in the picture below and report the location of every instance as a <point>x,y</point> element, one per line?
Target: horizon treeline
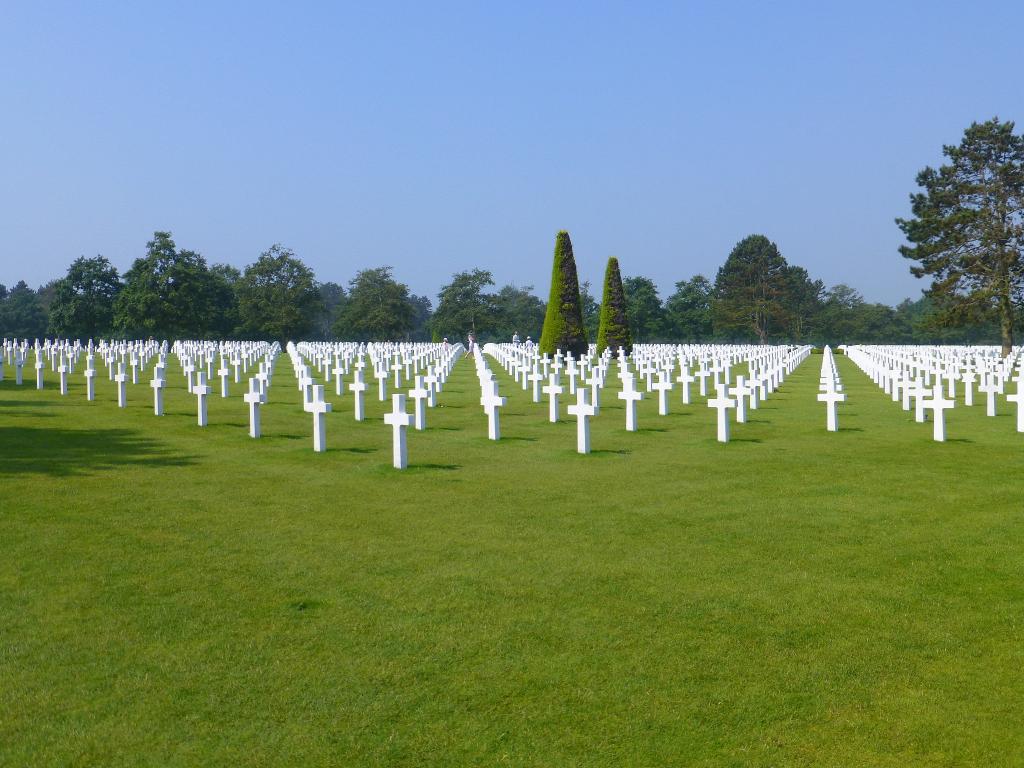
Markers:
<point>756,296</point>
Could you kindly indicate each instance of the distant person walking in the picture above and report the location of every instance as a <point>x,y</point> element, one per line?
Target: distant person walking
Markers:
<point>471,344</point>
<point>515,339</point>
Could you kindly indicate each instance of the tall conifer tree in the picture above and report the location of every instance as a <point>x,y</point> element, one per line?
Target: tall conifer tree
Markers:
<point>563,323</point>
<point>614,328</point>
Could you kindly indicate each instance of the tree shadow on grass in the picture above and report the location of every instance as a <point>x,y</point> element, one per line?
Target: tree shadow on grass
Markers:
<point>70,452</point>
<point>27,415</point>
<point>26,404</point>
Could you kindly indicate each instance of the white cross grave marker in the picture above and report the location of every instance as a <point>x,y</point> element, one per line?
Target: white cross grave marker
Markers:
<point>632,396</point>
<point>122,386</point>
<point>722,404</point>
<point>582,410</point>
<point>358,387</point>
<point>938,405</point>
<point>399,421</point>
<point>90,379</point>
<point>158,391</point>
<point>201,390</point>
<point>223,372</point>
<point>831,398</point>
<point>491,403</point>
<point>664,386</point>
<point>255,399</point>
<point>553,389</point>
<point>419,394</point>
<point>685,379</point>
<point>319,408</point>
<point>1018,398</point>
<point>990,388</point>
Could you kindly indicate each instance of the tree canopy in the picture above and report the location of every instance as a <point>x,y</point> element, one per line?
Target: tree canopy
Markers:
<point>688,310</point>
<point>21,313</point>
<point>463,307</point>
<point>967,229</point>
<point>517,310</point>
<point>643,309</point>
<point>278,297</point>
<point>172,294</point>
<point>83,304</point>
<point>749,291</point>
<point>379,308</point>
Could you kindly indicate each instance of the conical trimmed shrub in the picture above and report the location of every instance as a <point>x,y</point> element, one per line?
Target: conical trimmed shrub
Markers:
<point>563,323</point>
<point>613,330</point>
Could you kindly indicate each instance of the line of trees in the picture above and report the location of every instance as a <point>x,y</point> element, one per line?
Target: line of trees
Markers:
<point>966,234</point>
<point>756,296</point>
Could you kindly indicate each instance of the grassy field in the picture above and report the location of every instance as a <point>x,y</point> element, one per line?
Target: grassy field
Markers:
<point>176,596</point>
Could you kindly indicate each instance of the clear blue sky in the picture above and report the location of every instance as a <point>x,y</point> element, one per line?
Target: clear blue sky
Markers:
<point>437,137</point>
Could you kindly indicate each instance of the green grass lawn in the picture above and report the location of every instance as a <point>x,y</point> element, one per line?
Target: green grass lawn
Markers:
<point>172,595</point>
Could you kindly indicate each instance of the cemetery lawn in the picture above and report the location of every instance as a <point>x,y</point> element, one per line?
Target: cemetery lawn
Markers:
<point>178,596</point>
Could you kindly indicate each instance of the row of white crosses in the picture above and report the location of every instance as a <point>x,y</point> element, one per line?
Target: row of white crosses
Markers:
<point>225,359</point>
<point>425,366</point>
<point>710,366</point>
<point>233,359</point>
<point>64,356</point>
<point>583,409</point>
<point>118,356</point>
<point>585,379</point>
<point>831,389</point>
<point>489,397</point>
<point>922,377</point>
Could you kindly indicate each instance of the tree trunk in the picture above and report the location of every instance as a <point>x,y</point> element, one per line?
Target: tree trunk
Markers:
<point>1006,324</point>
<point>1005,312</point>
